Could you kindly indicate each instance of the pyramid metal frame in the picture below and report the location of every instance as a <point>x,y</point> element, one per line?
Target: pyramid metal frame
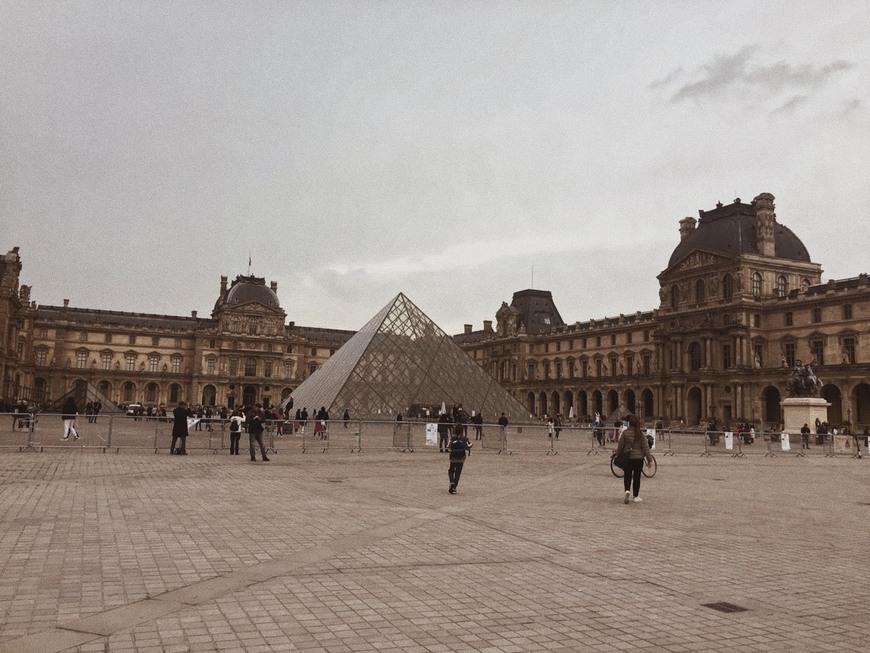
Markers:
<point>402,362</point>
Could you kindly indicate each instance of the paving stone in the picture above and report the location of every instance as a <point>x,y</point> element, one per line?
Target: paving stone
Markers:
<point>141,552</point>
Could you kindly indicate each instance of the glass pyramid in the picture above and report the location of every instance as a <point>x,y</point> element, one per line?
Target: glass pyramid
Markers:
<point>401,362</point>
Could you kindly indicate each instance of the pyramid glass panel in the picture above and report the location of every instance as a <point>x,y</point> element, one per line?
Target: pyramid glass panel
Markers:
<point>401,361</point>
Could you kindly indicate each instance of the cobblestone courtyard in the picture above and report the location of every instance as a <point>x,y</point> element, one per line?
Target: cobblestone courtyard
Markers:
<point>345,552</point>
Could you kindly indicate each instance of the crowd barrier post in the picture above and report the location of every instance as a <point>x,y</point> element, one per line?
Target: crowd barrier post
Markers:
<point>770,452</point>
<point>30,445</point>
<point>739,453</point>
<point>552,450</point>
<point>358,435</point>
<point>828,448</point>
<point>593,439</point>
<point>503,444</point>
<point>406,446</point>
<point>670,450</point>
<point>706,453</point>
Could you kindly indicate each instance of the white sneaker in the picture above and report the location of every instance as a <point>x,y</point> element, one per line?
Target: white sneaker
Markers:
<point>67,438</point>
<point>627,496</point>
<point>637,499</point>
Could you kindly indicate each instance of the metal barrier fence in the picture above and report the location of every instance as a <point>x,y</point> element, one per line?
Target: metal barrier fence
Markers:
<point>116,432</point>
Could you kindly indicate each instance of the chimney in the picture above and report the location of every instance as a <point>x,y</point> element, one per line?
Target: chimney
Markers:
<point>687,227</point>
<point>765,219</point>
<point>193,314</point>
<point>223,294</point>
<point>274,286</point>
<point>467,329</point>
<point>487,325</point>
<point>66,303</point>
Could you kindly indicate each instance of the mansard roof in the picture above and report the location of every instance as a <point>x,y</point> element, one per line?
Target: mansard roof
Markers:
<point>731,230</point>
<point>536,311</point>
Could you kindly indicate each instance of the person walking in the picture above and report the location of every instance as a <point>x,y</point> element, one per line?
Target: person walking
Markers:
<point>255,432</point>
<point>179,429</point>
<point>68,414</point>
<point>634,440</point>
<point>444,425</point>
<point>458,449</point>
<point>236,421</point>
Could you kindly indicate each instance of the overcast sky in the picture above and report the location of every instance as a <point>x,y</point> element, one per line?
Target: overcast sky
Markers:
<point>454,151</point>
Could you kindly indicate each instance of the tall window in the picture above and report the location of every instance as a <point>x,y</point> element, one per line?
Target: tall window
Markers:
<point>288,370</point>
<point>81,359</point>
<point>646,363</point>
<point>234,366</point>
<point>756,320</point>
<point>107,360</point>
<point>250,367</point>
<point>153,359</point>
<point>728,286</point>
<point>849,350</point>
<point>756,284</point>
<point>817,315</point>
<point>788,351</point>
<point>695,357</point>
<point>675,296</point>
<point>726,356</point>
<point>817,350</point>
<point>789,319</point>
<point>176,364</point>
<point>131,362</point>
<point>629,365</point>
<point>781,286</point>
<point>267,369</point>
<point>209,365</point>
<point>41,356</point>
<point>613,369</point>
<point>530,371</point>
<point>700,292</point>
<point>847,311</point>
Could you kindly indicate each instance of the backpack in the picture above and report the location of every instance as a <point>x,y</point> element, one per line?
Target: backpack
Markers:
<point>457,448</point>
<point>235,425</point>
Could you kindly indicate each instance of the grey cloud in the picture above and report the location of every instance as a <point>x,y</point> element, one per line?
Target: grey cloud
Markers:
<point>667,79</point>
<point>734,71</point>
<point>793,103</point>
<point>852,106</point>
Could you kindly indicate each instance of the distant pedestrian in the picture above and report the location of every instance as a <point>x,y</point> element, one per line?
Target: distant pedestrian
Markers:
<point>68,414</point>
<point>477,420</point>
<point>444,425</point>
<point>345,418</point>
<point>255,432</point>
<point>805,436</point>
<point>236,421</point>
<point>179,429</point>
<point>634,440</point>
<point>459,448</point>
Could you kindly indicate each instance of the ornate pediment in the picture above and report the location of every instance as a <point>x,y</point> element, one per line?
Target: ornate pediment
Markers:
<point>697,259</point>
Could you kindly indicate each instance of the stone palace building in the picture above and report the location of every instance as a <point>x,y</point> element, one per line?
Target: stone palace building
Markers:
<point>740,304</point>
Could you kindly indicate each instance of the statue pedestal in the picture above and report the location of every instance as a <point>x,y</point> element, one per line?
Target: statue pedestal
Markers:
<point>797,411</point>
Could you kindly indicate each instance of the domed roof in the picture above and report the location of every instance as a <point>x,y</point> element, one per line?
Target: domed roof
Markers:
<point>251,289</point>
<point>732,230</point>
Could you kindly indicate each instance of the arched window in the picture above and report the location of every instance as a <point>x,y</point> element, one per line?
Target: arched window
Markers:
<point>675,296</point>
<point>694,357</point>
<point>700,292</point>
<point>728,286</point>
<point>756,284</point>
<point>781,286</point>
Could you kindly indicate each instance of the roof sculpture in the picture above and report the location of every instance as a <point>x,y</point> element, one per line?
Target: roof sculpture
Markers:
<point>402,362</point>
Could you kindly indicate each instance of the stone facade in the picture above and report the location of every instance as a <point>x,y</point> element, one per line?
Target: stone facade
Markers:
<point>243,353</point>
<point>740,304</point>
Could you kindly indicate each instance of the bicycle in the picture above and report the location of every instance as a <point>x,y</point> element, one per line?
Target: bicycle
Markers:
<point>648,471</point>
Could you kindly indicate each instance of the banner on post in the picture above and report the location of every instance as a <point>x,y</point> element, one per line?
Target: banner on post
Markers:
<point>652,434</point>
<point>729,440</point>
<point>783,438</point>
<point>431,435</point>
